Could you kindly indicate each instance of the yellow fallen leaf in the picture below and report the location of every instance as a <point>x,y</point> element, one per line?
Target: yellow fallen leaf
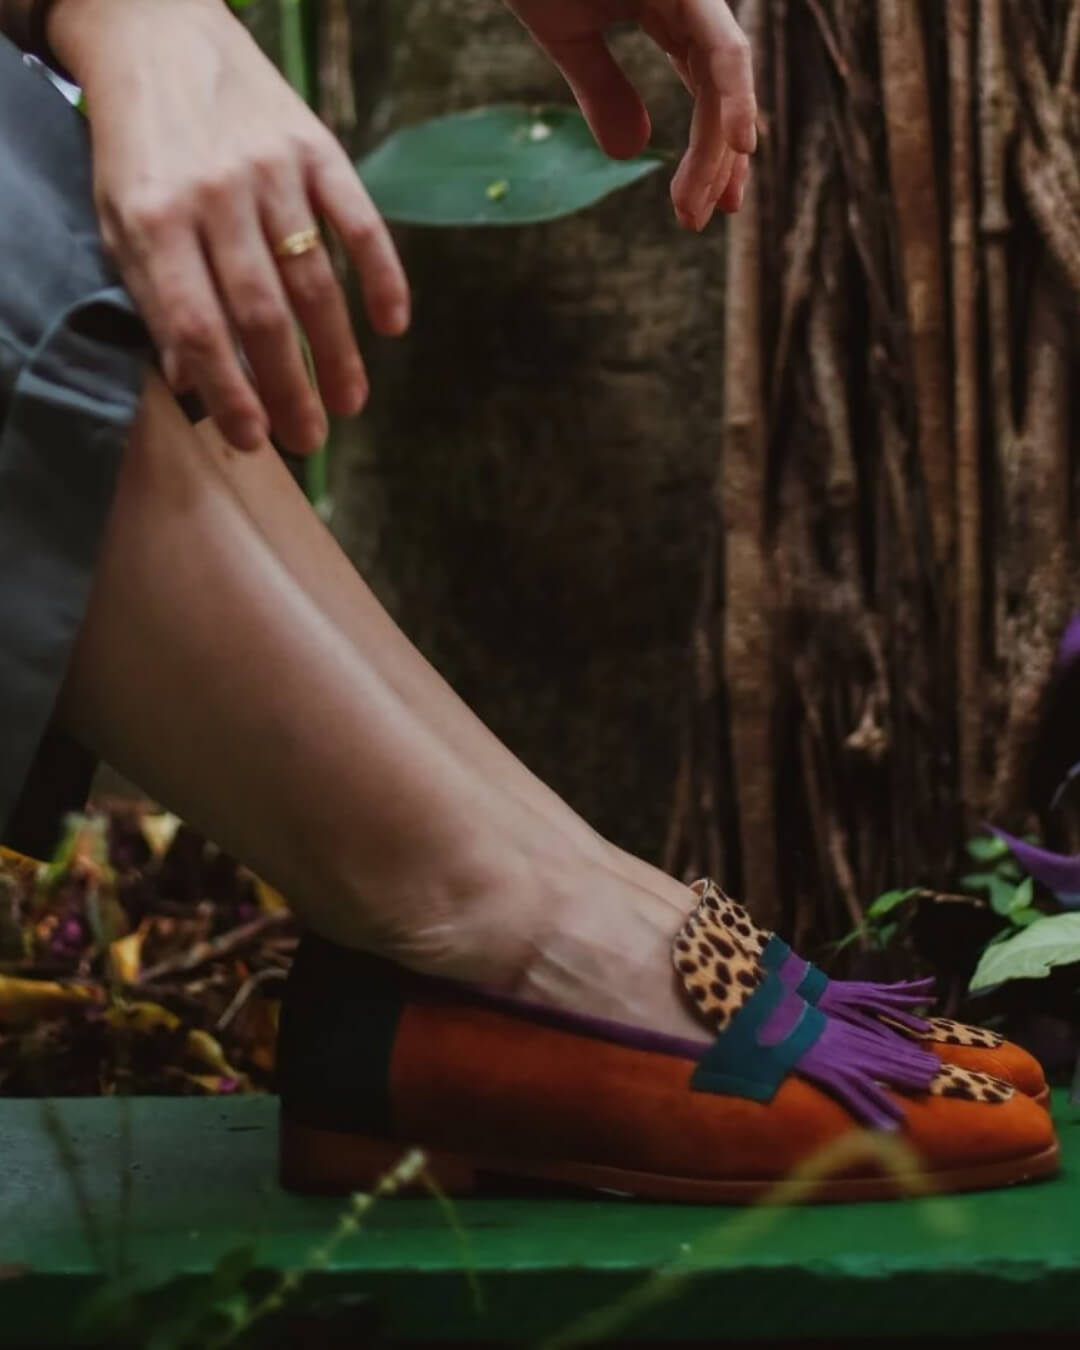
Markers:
<point>142,1017</point>
<point>27,1000</point>
<point>20,863</point>
<point>159,830</point>
<point>270,901</point>
<point>205,1049</point>
<point>215,1083</point>
<point>125,954</point>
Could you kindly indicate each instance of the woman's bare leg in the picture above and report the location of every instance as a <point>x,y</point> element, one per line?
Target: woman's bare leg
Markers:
<point>205,672</point>
<point>312,555</point>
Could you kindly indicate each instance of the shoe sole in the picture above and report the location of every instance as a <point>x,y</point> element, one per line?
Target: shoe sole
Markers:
<point>318,1161</point>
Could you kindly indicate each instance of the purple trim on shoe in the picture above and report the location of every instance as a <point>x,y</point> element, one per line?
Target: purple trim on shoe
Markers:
<point>597,1028</point>
<point>783,1019</point>
<point>793,970</point>
<point>845,1060</point>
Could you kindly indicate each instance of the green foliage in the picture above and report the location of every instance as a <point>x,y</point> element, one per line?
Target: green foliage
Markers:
<point>1010,893</point>
<point>999,877</point>
<point>136,1306</point>
<point>882,923</point>
<point>885,904</point>
<point>503,165</point>
<point>996,875</point>
<point>1029,954</point>
<point>987,848</point>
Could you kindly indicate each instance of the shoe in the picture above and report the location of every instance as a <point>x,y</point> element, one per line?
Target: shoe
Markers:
<point>868,1005</point>
<point>374,1060</point>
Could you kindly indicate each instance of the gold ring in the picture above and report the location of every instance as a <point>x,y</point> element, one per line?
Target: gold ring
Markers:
<point>296,245</point>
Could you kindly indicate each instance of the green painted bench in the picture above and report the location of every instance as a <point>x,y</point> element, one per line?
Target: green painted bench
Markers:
<point>170,1185</point>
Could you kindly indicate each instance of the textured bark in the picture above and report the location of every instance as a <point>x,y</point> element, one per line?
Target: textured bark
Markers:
<point>748,609</point>
<point>530,490</point>
<point>906,91</point>
<point>817,688</point>
<point>1040,561</point>
<point>965,409</point>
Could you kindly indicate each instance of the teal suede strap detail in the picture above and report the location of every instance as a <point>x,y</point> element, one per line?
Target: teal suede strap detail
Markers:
<point>737,1064</point>
<point>813,984</point>
<point>775,954</point>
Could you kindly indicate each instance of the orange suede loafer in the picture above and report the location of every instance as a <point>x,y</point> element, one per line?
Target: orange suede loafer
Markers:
<point>374,1060</point>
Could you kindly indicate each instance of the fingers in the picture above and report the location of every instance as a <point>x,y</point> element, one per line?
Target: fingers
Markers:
<point>335,192</point>
<point>708,159</point>
<point>711,56</point>
<point>729,198</point>
<point>608,101</point>
<point>169,278</point>
<point>318,302</point>
<point>728,66</point>
<point>255,299</point>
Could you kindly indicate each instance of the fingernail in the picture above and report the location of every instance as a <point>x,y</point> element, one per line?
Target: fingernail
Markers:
<point>684,218</point>
<point>357,396</point>
<point>399,319</point>
<point>315,433</point>
<point>704,217</point>
<point>738,200</point>
<point>356,388</point>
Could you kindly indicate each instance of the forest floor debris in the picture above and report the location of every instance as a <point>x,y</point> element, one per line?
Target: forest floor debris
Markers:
<point>141,959</point>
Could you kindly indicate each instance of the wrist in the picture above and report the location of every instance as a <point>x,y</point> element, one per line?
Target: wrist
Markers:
<point>79,32</point>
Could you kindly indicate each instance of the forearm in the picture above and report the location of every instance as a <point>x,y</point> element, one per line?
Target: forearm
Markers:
<point>68,32</point>
<point>43,27</point>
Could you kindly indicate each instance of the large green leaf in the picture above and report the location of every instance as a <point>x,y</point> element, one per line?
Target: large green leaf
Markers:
<point>1050,941</point>
<point>503,165</point>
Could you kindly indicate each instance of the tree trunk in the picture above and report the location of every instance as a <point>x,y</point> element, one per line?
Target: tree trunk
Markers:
<point>802,640</point>
<point>531,495</point>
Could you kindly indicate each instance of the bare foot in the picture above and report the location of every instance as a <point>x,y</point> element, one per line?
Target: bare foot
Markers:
<point>564,929</point>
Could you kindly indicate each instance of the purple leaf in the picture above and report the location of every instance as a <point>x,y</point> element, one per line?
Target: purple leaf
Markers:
<point>1069,647</point>
<point>1058,872</point>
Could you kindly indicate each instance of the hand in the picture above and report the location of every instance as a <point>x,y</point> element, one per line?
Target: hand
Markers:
<point>204,161</point>
<point>710,53</point>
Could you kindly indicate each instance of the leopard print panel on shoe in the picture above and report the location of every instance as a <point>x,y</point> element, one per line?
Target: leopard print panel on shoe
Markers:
<point>945,1031</point>
<point>717,972</point>
<point>737,921</point>
<point>970,1086</point>
<point>732,915</point>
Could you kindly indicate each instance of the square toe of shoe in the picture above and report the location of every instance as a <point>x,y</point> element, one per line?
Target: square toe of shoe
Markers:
<point>1007,1061</point>
<point>947,1132</point>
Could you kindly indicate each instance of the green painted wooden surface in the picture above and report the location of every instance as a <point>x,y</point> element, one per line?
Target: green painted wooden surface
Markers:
<point>196,1177</point>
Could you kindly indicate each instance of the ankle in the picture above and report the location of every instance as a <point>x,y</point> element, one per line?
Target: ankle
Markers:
<point>469,915</point>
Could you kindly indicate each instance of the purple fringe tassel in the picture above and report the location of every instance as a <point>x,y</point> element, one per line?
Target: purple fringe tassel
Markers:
<point>864,1004</point>
<point>851,1064</point>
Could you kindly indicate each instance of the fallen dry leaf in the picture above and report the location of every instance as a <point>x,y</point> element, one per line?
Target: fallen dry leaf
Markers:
<point>25,1001</point>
